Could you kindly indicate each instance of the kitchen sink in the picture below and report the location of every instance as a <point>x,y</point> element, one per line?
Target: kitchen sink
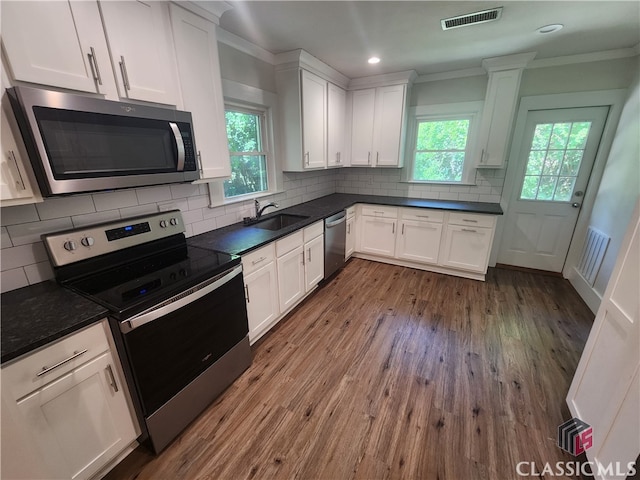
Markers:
<point>279,221</point>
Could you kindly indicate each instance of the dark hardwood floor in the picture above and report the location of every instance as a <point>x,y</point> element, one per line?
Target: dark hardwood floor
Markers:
<point>390,372</point>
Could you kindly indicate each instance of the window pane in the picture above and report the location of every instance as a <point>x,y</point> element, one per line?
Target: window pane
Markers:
<point>572,160</point>
<point>564,189</point>
<point>530,187</point>
<point>552,162</point>
<point>438,166</point>
<point>546,188</point>
<point>248,175</point>
<point>541,136</point>
<point>442,135</point>
<point>579,134</point>
<point>560,135</point>
<point>243,131</point>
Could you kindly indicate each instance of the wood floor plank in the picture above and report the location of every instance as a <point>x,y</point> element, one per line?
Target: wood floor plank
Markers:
<point>388,372</point>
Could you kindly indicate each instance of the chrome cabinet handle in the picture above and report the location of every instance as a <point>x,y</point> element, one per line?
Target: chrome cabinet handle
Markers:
<point>93,63</point>
<point>423,216</point>
<point>368,158</point>
<point>309,259</point>
<point>246,290</point>
<point>20,182</point>
<point>403,229</point>
<point>469,230</point>
<point>125,76</point>
<point>377,155</point>
<point>338,157</point>
<point>303,257</point>
<point>75,355</point>
<point>306,155</point>
<point>348,229</point>
<point>469,220</point>
<point>482,156</point>
<point>179,145</point>
<point>261,259</point>
<point>112,378</point>
<point>393,227</point>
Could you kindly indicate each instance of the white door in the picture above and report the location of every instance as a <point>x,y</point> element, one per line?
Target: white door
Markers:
<point>387,130</point>
<point>314,120</point>
<point>350,241</point>
<point>261,288</point>
<point>378,236</point>
<point>336,105</point>
<point>419,241</point>
<point>466,248</point>
<point>605,392</point>
<point>314,262</point>
<point>291,278</point>
<point>558,151</point>
<point>363,109</point>
<point>139,36</point>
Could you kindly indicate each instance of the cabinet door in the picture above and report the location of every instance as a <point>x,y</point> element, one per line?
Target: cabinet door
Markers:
<point>291,278</point>
<point>55,43</point>
<point>350,242</point>
<point>336,110</point>
<point>362,118</point>
<point>80,421</point>
<point>261,289</point>
<point>199,72</point>
<point>466,248</point>
<point>378,236</point>
<point>314,120</point>
<point>419,241</point>
<point>139,36</point>
<point>15,174</point>
<point>389,119</point>
<point>313,262</point>
<point>497,117</point>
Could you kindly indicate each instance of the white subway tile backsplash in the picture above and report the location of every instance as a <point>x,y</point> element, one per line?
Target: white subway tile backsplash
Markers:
<point>138,210</point>
<point>22,255</point>
<point>448,196</point>
<point>12,279</point>
<point>65,207</point>
<point>115,200</point>
<point>184,190</point>
<point>92,218</point>
<point>6,239</point>
<point>19,214</point>
<point>192,216</point>
<point>200,201</point>
<point>153,194</point>
<point>468,197</point>
<point>26,233</point>
<point>204,226</point>
<point>39,272</point>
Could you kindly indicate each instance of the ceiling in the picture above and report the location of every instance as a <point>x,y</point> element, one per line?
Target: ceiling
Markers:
<point>407,35</point>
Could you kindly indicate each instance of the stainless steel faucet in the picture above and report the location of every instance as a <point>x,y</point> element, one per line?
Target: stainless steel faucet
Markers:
<point>260,210</point>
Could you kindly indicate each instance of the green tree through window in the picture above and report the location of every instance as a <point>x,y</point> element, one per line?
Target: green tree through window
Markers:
<point>247,153</point>
<point>440,150</point>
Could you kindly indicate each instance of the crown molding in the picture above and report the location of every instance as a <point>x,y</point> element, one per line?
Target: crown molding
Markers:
<point>586,57</point>
<point>467,72</point>
<point>508,62</point>
<point>212,11</point>
<point>244,46</point>
<point>303,59</point>
<point>405,77</point>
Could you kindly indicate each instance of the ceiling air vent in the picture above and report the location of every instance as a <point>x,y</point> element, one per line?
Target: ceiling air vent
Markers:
<point>471,18</point>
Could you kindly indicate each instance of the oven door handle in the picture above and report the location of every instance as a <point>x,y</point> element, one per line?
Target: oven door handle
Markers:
<point>178,301</point>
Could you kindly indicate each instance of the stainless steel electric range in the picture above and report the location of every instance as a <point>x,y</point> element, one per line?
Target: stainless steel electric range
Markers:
<point>177,312</point>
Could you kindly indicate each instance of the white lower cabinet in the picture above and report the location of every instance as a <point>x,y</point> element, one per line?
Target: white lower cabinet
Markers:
<point>350,241</point>
<point>455,243</point>
<point>291,281</point>
<point>71,420</point>
<point>261,290</point>
<point>313,255</point>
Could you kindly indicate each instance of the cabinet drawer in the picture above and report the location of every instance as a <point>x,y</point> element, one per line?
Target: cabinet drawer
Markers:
<point>472,219</point>
<point>379,211</point>
<point>22,376</point>
<point>422,215</point>
<point>258,258</point>
<point>313,231</point>
<point>351,211</point>
<point>288,243</point>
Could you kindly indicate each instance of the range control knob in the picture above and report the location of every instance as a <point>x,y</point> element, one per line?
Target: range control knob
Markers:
<point>163,223</point>
<point>173,221</point>
<point>87,241</point>
<point>70,245</point>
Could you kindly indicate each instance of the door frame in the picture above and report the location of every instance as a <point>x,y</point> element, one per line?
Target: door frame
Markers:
<point>614,99</point>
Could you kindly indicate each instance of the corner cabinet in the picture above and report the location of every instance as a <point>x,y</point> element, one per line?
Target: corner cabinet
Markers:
<point>198,60</point>
<point>65,410</point>
<point>378,117</point>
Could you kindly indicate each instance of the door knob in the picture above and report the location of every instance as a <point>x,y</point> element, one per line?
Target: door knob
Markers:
<point>575,205</point>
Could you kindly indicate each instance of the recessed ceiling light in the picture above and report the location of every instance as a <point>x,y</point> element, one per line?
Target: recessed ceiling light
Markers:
<point>373,60</point>
<point>550,28</point>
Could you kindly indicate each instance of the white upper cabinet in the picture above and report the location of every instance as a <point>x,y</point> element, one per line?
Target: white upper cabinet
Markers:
<point>336,120</point>
<point>377,126</point>
<point>58,43</point>
<point>499,108</point>
<point>139,36</point>
<point>196,49</point>
<point>314,120</point>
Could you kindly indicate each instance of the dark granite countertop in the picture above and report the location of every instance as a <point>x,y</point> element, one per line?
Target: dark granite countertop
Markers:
<point>240,239</point>
<point>39,314</point>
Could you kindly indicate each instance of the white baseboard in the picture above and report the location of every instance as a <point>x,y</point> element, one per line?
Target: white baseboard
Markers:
<point>586,291</point>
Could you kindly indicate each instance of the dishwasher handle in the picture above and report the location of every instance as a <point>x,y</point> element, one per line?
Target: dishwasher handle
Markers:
<point>335,220</point>
<point>180,300</point>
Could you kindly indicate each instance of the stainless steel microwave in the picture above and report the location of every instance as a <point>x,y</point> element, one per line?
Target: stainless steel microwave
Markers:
<point>82,144</point>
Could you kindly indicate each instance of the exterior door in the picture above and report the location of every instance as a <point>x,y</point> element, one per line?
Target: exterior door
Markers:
<point>555,162</point>
<point>605,392</point>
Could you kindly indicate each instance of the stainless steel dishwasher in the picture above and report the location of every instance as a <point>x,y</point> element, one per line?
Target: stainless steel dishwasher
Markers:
<point>335,233</point>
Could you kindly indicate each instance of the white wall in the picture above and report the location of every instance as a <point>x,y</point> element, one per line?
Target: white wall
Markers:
<point>620,184</point>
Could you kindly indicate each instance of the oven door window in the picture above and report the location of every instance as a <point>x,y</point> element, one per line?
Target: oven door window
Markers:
<point>90,145</point>
<point>168,353</point>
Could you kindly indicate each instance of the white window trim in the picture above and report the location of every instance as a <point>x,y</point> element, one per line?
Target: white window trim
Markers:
<point>447,111</point>
<point>251,98</point>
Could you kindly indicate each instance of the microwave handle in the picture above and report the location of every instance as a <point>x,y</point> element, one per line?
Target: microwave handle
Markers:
<point>179,144</point>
